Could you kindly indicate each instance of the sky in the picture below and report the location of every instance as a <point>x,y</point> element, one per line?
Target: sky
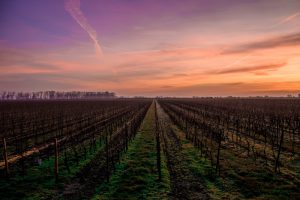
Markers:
<point>151,47</point>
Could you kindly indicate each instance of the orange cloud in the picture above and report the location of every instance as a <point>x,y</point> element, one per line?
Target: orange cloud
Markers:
<point>225,89</point>
<point>256,69</point>
<point>272,42</point>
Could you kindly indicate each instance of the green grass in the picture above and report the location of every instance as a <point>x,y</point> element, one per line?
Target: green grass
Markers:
<point>136,176</point>
<point>39,181</point>
<point>243,179</point>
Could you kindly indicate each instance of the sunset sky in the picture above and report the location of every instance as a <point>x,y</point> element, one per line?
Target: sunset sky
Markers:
<point>153,47</point>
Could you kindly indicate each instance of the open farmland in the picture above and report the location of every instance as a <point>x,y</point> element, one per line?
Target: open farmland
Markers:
<point>206,148</point>
<point>149,100</point>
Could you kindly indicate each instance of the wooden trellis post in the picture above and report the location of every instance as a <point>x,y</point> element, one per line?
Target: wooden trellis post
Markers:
<point>5,157</point>
<point>56,161</point>
<point>158,161</point>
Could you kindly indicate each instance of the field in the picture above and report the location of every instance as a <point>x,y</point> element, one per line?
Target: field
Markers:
<point>201,148</point>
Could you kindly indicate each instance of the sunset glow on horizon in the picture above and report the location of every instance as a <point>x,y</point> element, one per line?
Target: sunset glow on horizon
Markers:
<point>151,48</point>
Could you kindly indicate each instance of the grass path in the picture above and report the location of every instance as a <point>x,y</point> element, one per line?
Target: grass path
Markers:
<point>136,175</point>
<point>186,182</point>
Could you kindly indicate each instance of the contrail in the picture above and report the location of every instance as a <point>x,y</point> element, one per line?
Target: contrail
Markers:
<point>238,60</point>
<point>287,19</point>
<point>73,7</point>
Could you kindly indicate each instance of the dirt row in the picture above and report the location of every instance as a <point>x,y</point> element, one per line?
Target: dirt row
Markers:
<point>82,186</point>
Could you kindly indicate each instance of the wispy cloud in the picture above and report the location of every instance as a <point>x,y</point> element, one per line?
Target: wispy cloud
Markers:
<point>259,69</point>
<point>286,19</point>
<point>280,41</point>
<point>271,88</point>
<point>73,7</point>
<point>17,60</point>
<point>239,60</point>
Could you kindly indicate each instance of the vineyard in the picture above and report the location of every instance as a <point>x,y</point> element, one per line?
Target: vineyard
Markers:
<point>206,148</point>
